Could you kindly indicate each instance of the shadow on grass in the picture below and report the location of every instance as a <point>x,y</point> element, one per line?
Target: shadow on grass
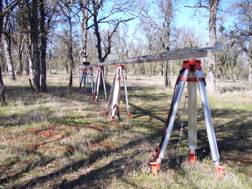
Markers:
<point>36,115</point>
<point>232,89</point>
<point>101,177</point>
<point>27,97</point>
<point>92,158</point>
<point>142,111</point>
<point>233,136</point>
<point>43,161</point>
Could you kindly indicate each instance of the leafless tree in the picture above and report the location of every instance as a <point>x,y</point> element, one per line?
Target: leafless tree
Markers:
<point>4,11</point>
<point>7,44</point>
<point>84,5</point>
<point>43,44</point>
<point>167,8</point>
<point>212,7</point>
<point>112,18</point>
<point>47,10</point>
<point>69,12</point>
<point>151,36</point>
<point>163,29</point>
<point>186,37</point>
<point>242,33</point>
<point>33,17</point>
<point>21,36</point>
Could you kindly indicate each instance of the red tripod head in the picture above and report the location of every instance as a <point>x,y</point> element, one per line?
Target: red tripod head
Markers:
<point>192,64</point>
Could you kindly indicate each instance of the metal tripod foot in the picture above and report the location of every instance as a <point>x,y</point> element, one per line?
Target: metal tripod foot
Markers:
<point>154,167</point>
<point>129,115</point>
<point>219,169</point>
<point>192,157</point>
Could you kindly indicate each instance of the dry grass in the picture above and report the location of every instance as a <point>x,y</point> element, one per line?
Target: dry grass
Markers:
<point>62,139</point>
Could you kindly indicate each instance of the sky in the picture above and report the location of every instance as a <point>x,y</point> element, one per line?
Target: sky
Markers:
<point>185,17</point>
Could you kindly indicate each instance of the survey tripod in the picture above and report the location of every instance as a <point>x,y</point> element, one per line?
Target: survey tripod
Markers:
<point>114,98</point>
<point>99,78</point>
<point>87,76</point>
<point>191,73</point>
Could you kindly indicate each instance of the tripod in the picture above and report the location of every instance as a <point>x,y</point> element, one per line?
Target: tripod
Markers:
<point>192,73</point>
<point>114,98</point>
<point>99,77</point>
<point>87,77</point>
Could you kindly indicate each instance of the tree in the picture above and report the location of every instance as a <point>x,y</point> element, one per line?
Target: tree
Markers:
<point>34,21</point>
<point>47,10</point>
<point>43,44</point>
<point>112,18</point>
<point>7,45</point>
<point>162,26</point>
<point>84,4</point>
<point>227,60</point>
<point>21,36</point>
<point>69,12</point>
<point>33,17</point>
<point>242,33</point>
<point>151,36</point>
<point>212,7</point>
<point>34,24</point>
<point>4,11</point>
<point>23,39</point>
<point>186,37</point>
<point>167,9</point>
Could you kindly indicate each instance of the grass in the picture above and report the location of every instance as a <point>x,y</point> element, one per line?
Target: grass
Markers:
<point>63,140</point>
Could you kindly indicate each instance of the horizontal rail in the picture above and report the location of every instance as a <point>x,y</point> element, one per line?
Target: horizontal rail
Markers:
<point>185,53</point>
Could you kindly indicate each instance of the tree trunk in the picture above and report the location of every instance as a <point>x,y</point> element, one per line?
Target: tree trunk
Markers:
<point>71,73</point>
<point>2,90</point>
<point>43,42</point>
<point>167,74</point>
<point>31,70</point>
<point>27,66</point>
<point>97,34</point>
<point>35,44</point>
<point>162,68</point>
<point>150,69</point>
<point>20,55</point>
<point>134,68</point>
<point>167,24</point>
<point>8,57</point>
<point>250,74</point>
<point>150,51</point>
<point>213,5</point>
<point>250,56</point>
<point>2,87</point>
<point>70,53</point>
<point>84,27</point>
<point>30,67</point>
<point>71,59</point>
<point>67,68</point>
<point>101,58</point>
